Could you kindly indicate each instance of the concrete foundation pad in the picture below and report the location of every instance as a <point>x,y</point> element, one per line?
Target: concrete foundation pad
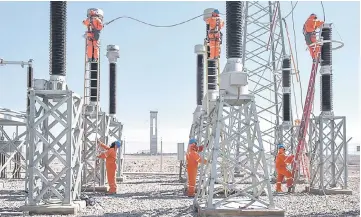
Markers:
<point>329,191</point>
<point>120,179</point>
<point>96,189</point>
<point>55,209</point>
<point>231,209</point>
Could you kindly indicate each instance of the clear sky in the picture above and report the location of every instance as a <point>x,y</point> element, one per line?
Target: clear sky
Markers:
<point>156,69</point>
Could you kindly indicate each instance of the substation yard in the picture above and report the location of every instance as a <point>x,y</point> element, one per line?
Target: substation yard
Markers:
<point>163,195</point>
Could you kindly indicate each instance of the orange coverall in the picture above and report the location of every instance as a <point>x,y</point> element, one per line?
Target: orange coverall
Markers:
<point>282,172</point>
<point>110,157</point>
<point>94,25</point>
<point>214,35</point>
<point>193,159</point>
<point>309,31</point>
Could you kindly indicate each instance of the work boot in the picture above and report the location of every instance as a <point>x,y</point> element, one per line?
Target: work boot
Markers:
<point>289,190</point>
<point>110,193</point>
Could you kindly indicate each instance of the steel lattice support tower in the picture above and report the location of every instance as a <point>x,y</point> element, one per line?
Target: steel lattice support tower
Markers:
<point>55,131</point>
<point>54,152</point>
<point>327,138</point>
<point>12,143</point>
<point>264,52</point>
<point>96,122</point>
<point>235,134</point>
<point>94,168</point>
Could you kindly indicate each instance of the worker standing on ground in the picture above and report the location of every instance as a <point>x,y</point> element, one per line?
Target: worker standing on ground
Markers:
<point>214,34</point>
<point>281,167</point>
<point>94,25</point>
<point>309,31</point>
<point>110,157</point>
<point>193,159</point>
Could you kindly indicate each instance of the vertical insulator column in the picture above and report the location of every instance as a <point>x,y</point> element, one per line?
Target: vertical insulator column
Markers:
<point>113,55</point>
<point>29,81</point>
<point>212,78</point>
<point>234,26</point>
<point>112,88</point>
<point>58,23</point>
<point>212,64</point>
<point>94,93</point>
<point>286,84</point>
<point>326,70</point>
<point>200,51</point>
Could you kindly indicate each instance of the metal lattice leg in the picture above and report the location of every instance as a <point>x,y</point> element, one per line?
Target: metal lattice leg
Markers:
<point>236,121</point>
<point>54,153</point>
<point>328,155</point>
<point>12,148</point>
<point>94,168</point>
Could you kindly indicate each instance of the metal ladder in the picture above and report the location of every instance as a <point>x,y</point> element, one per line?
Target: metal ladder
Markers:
<point>304,123</point>
<point>87,102</point>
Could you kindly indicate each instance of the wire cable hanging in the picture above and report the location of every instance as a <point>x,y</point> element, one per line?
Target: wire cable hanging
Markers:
<point>153,25</point>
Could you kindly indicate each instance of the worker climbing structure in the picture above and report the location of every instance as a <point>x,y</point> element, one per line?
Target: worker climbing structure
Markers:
<point>235,138</point>
<point>55,140</point>
<point>207,63</point>
<point>95,121</point>
<point>327,140</point>
<point>198,128</point>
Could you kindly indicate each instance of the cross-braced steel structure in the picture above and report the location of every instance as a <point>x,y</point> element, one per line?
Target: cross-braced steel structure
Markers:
<point>94,168</point>
<point>264,50</point>
<point>12,144</point>
<point>327,140</point>
<point>235,139</point>
<point>328,153</point>
<point>115,133</point>
<point>54,151</point>
<point>239,126</point>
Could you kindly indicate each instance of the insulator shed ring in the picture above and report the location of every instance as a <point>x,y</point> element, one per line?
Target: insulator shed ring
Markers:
<point>340,43</point>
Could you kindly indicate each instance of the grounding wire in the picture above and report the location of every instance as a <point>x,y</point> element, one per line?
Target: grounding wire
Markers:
<point>293,8</point>
<point>323,10</point>
<point>296,53</point>
<point>153,25</point>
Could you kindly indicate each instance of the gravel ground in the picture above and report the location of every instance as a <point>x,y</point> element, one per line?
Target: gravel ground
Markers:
<point>163,195</point>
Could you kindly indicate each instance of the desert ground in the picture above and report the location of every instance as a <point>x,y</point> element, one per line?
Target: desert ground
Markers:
<point>155,195</point>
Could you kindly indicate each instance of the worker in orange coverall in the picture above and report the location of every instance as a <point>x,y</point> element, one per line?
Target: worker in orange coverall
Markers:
<point>95,25</point>
<point>282,172</point>
<point>214,34</point>
<point>193,159</point>
<point>309,31</point>
<point>110,157</point>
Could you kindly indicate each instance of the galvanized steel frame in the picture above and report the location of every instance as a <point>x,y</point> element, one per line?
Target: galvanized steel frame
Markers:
<point>264,50</point>
<point>42,182</point>
<point>221,153</point>
<point>115,133</point>
<point>94,128</point>
<point>328,152</point>
<point>12,149</point>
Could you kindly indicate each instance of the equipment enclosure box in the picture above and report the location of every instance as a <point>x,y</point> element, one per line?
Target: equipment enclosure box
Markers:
<point>180,151</point>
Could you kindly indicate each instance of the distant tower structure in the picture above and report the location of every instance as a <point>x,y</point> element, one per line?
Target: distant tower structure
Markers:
<point>153,132</point>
